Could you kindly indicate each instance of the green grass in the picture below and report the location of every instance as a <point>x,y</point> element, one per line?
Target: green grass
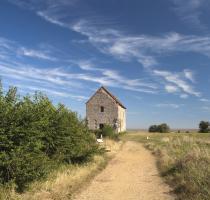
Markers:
<point>183,160</point>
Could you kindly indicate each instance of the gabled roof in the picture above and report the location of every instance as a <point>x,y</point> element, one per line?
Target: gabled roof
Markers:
<point>110,94</point>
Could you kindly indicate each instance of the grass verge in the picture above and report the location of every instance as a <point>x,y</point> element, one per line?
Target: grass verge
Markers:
<point>65,182</point>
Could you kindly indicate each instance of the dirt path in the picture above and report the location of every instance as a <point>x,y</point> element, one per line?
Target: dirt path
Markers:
<point>131,175</point>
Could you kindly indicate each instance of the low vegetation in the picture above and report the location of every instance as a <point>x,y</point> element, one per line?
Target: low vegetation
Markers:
<point>61,183</point>
<point>108,132</point>
<point>183,159</point>
<point>37,137</point>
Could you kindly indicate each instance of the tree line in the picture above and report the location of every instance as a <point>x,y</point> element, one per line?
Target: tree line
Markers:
<point>36,137</point>
<point>204,127</point>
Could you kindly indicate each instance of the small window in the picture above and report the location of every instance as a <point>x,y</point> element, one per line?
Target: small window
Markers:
<point>101,126</point>
<point>102,109</point>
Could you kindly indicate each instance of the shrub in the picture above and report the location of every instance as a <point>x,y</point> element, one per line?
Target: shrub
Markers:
<point>36,137</point>
<point>107,131</point>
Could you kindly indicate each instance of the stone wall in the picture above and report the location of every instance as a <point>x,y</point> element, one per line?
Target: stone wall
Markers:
<point>121,119</point>
<point>93,110</point>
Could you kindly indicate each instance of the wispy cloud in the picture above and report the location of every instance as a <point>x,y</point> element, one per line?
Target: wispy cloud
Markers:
<point>38,75</point>
<point>50,19</point>
<point>13,67</point>
<point>52,84</point>
<point>53,92</point>
<point>171,88</point>
<point>9,48</point>
<point>40,54</point>
<point>189,75</point>
<point>59,76</point>
<point>190,11</point>
<point>177,80</point>
<point>113,78</point>
<point>142,48</point>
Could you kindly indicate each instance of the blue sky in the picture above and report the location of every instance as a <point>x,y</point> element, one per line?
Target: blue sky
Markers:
<point>153,55</point>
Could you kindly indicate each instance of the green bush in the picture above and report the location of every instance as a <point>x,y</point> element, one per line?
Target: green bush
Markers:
<point>108,131</point>
<point>36,137</point>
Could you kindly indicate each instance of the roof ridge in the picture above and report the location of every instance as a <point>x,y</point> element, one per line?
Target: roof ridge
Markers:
<point>110,94</point>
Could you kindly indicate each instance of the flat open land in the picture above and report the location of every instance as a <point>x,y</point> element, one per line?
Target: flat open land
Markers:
<point>131,175</point>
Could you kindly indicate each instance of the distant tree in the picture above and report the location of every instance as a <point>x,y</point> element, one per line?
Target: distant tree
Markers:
<point>153,128</point>
<point>162,128</point>
<point>204,127</point>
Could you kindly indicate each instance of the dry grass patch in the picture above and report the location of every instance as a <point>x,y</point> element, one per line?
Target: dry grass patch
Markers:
<point>67,180</point>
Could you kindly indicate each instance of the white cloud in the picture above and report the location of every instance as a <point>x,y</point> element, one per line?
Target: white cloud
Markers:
<point>29,73</point>
<point>17,69</point>
<point>46,77</point>
<point>189,75</point>
<point>9,48</point>
<point>52,20</point>
<point>171,88</point>
<point>112,78</point>
<point>142,48</point>
<point>176,79</point>
<point>58,76</point>
<point>35,54</point>
<point>56,93</point>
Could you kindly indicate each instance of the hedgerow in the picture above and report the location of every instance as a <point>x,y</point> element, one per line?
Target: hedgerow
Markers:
<point>36,137</point>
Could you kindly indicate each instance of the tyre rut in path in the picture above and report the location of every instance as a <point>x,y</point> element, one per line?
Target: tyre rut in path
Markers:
<point>131,175</point>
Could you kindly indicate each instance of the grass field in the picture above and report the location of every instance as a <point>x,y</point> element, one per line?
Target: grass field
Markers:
<point>183,160</point>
